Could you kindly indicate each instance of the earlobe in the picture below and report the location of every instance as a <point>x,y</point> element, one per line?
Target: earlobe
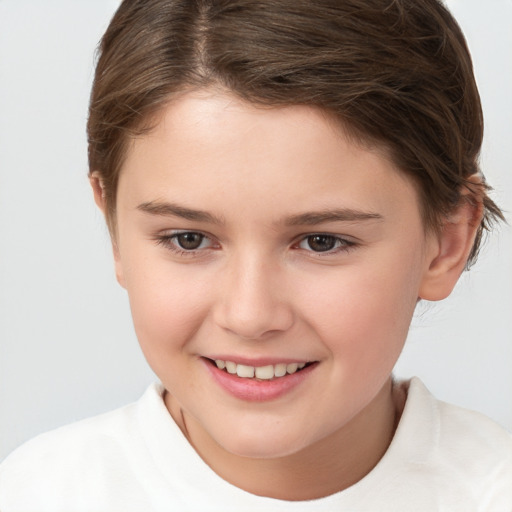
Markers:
<point>452,247</point>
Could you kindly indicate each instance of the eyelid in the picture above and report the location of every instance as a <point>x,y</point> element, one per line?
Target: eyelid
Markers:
<point>347,243</point>
<point>169,233</point>
<point>165,239</point>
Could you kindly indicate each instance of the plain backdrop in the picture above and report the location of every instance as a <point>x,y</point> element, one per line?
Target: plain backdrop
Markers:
<point>67,348</point>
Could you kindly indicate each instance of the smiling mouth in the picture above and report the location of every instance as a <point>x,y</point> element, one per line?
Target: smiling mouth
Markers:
<point>267,372</point>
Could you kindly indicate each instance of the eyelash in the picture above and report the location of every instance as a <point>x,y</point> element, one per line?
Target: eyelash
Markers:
<point>342,245</point>
<point>166,240</point>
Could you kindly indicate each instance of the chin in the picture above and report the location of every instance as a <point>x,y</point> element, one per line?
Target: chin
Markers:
<point>254,450</point>
<point>262,444</point>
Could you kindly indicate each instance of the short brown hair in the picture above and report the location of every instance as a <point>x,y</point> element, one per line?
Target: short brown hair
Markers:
<point>396,73</point>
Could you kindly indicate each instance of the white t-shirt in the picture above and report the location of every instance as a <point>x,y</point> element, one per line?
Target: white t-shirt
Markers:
<point>442,458</point>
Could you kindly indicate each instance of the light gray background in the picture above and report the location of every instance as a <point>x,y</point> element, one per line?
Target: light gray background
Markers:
<point>67,349</point>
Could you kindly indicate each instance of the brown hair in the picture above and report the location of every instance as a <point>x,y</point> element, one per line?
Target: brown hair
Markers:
<point>396,73</point>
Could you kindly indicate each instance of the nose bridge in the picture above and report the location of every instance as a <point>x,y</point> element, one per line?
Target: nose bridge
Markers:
<point>253,300</point>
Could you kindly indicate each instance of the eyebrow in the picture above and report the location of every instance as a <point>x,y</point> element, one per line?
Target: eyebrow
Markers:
<point>166,209</point>
<point>343,215</point>
<point>312,218</point>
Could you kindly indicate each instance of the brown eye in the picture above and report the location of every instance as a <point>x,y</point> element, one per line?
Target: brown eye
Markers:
<point>321,243</point>
<point>325,243</point>
<point>189,241</point>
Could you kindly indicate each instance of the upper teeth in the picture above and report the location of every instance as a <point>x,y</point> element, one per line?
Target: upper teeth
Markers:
<point>260,372</point>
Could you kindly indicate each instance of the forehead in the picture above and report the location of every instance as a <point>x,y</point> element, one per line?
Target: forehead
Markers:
<point>212,148</point>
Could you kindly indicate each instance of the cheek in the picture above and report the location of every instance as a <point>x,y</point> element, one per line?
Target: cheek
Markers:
<point>363,313</point>
<point>167,306</point>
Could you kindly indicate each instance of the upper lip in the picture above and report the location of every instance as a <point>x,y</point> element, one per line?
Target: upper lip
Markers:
<point>256,362</point>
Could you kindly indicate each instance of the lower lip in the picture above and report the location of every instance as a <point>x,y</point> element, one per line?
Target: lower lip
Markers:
<point>252,390</point>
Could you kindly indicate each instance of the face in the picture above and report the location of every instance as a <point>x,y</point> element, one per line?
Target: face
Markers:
<point>266,240</point>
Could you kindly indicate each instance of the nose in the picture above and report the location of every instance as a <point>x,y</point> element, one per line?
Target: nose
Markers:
<point>253,300</point>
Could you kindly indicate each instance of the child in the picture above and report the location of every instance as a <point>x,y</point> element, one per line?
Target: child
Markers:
<point>283,181</point>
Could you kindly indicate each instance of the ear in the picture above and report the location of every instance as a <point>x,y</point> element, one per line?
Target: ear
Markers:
<point>99,198</point>
<point>449,250</point>
<point>98,190</point>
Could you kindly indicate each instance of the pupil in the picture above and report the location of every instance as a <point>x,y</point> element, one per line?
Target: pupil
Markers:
<point>190,241</point>
<point>321,243</point>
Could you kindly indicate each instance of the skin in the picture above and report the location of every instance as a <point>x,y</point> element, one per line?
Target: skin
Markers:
<point>256,288</point>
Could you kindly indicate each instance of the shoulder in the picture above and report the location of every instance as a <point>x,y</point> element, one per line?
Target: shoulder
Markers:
<point>72,439</point>
<point>459,426</point>
<point>474,443</point>
<point>456,429</point>
<point>463,450</point>
<point>74,455</point>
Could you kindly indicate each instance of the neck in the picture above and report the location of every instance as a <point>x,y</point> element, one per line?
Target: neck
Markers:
<point>330,465</point>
